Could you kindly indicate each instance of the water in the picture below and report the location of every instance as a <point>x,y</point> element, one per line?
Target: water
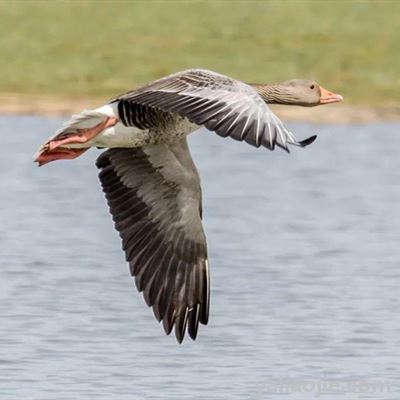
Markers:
<point>304,255</point>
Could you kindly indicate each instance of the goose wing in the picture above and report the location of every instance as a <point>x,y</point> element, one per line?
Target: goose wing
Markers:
<point>222,104</point>
<point>154,197</point>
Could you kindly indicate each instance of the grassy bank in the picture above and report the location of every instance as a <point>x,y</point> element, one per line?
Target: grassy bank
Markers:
<point>99,48</point>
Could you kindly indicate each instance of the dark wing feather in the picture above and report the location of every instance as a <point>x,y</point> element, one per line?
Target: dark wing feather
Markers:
<point>224,105</point>
<point>155,199</point>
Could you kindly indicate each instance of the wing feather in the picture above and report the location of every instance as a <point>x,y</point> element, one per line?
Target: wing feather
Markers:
<point>155,200</point>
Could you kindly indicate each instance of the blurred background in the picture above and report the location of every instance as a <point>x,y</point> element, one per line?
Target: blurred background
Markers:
<point>99,48</point>
<point>303,247</point>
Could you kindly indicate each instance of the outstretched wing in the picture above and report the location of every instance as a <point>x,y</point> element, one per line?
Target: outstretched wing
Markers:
<point>154,197</point>
<point>222,104</point>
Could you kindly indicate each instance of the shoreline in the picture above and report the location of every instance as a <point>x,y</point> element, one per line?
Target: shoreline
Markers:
<point>14,103</point>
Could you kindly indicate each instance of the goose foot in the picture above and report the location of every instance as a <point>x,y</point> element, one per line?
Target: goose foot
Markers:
<point>81,135</point>
<point>55,148</point>
<point>61,153</point>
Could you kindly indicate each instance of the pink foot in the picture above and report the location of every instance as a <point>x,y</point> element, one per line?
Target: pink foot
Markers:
<point>82,135</point>
<point>61,153</point>
<point>54,150</point>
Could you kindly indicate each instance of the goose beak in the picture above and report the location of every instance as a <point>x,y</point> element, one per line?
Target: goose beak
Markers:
<point>329,97</point>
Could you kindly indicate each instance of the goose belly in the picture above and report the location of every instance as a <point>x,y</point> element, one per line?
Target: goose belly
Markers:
<point>120,135</point>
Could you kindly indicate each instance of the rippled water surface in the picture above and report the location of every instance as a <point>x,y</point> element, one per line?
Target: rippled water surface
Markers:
<point>305,263</point>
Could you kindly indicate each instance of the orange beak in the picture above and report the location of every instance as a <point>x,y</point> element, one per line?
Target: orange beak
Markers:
<point>329,97</point>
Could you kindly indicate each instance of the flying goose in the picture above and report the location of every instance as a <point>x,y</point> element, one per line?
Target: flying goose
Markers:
<point>152,185</point>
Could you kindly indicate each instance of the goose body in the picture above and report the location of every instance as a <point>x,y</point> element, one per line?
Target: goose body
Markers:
<point>152,185</point>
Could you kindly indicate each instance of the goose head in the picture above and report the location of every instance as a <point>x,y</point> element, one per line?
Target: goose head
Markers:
<point>299,92</point>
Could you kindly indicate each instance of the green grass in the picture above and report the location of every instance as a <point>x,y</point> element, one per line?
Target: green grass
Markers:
<point>101,48</point>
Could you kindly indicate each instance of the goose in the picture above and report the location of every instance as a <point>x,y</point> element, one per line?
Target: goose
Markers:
<point>151,182</point>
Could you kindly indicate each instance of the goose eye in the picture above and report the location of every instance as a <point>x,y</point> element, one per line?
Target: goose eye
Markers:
<point>312,87</point>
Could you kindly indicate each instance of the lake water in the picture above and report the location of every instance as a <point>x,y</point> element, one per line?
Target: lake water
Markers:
<point>305,271</point>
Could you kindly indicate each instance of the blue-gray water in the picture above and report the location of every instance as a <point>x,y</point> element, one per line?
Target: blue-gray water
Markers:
<point>305,263</point>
